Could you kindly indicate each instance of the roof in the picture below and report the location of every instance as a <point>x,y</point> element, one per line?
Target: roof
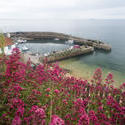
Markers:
<point>8,41</point>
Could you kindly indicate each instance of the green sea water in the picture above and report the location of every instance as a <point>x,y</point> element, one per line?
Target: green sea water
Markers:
<point>85,71</point>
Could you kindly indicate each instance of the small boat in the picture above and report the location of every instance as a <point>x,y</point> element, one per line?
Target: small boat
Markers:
<point>56,39</point>
<point>24,48</point>
<point>21,41</point>
<point>45,54</point>
<point>71,48</point>
<point>69,41</point>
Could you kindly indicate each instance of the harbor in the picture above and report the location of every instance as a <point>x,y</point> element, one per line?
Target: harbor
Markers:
<point>77,46</point>
<point>97,44</point>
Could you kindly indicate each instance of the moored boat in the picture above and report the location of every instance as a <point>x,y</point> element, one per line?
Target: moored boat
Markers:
<point>70,41</point>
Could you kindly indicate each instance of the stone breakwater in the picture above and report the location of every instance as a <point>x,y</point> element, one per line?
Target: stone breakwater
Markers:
<point>59,55</point>
<point>68,53</point>
<point>52,35</point>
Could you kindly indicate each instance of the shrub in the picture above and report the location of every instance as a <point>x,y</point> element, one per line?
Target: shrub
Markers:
<point>45,96</point>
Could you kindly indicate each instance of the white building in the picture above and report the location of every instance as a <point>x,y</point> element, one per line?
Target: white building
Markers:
<point>8,35</point>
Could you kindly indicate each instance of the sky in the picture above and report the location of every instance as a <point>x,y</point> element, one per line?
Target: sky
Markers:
<point>62,9</point>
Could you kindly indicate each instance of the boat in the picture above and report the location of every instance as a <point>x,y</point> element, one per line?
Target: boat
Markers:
<point>21,41</point>
<point>24,48</point>
<point>70,41</point>
<point>56,39</point>
<point>71,48</point>
<point>45,54</point>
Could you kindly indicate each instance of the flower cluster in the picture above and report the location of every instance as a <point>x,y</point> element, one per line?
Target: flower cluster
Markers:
<point>46,96</point>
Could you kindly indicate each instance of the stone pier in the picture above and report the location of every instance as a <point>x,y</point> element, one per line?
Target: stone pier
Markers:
<point>68,53</point>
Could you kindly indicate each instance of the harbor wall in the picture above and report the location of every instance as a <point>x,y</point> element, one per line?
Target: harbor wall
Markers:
<point>67,54</point>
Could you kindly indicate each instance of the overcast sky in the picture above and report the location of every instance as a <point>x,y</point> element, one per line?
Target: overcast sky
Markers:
<point>62,9</point>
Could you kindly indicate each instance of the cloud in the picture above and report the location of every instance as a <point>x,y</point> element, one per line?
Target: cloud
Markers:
<point>61,9</point>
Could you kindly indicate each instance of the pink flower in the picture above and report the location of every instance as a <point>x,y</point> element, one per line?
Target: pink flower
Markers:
<point>55,120</point>
<point>122,86</point>
<point>56,91</point>
<point>84,120</point>
<point>48,90</point>
<point>98,75</point>
<point>18,88</point>
<point>34,108</point>
<point>40,113</point>
<point>16,121</point>
<point>92,116</point>
<point>38,116</point>
<point>64,101</point>
<point>109,78</point>
<point>20,111</point>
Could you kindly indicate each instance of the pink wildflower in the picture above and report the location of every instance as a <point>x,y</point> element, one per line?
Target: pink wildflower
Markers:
<point>20,111</point>
<point>84,120</point>
<point>98,75</point>
<point>109,78</point>
<point>40,113</point>
<point>55,120</point>
<point>48,90</point>
<point>16,121</point>
<point>56,91</point>
<point>93,117</point>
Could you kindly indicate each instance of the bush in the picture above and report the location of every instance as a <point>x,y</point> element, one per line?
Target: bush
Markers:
<point>45,96</point>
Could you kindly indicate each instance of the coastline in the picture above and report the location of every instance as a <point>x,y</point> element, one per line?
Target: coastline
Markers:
<point>86,72</point>
<point>80,70</point>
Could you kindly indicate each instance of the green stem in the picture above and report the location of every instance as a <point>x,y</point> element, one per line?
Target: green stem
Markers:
<point>51,107</point>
